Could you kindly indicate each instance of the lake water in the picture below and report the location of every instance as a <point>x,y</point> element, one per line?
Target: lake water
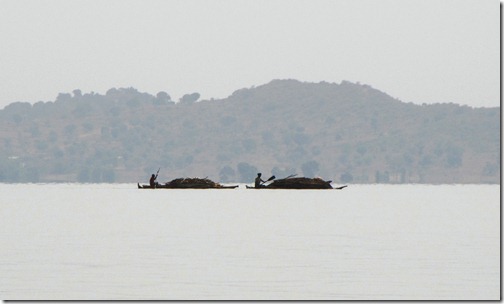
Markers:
<point>365,242</point>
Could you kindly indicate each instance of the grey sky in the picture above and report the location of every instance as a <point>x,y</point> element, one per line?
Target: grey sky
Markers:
<point>417,51</point>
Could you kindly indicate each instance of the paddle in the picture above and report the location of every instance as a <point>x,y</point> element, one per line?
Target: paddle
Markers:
<point>269,179</point>
<point>156,183</point>
<point>339,188</point>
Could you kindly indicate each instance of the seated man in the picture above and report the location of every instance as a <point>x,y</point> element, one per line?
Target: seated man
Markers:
<point>259,181</point>
<point>153,182</point>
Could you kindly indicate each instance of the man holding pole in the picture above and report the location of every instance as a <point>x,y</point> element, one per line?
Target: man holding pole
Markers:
<point>152,180</point>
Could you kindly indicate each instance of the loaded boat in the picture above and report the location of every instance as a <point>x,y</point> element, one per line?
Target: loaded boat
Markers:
<point>298,183</point>
<point>188,183</point>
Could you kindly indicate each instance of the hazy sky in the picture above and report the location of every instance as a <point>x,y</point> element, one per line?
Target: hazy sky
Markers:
<point>417,51</point>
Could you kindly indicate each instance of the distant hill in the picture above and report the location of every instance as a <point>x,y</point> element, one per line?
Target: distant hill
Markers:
<point>348,133</point>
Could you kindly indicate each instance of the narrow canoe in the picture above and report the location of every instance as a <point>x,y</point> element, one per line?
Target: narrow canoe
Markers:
<point>184,187</point>
<point>299,183</point>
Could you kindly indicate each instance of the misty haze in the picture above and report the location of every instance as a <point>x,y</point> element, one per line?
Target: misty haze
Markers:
<point>347,133</point>
<point>134,134</point>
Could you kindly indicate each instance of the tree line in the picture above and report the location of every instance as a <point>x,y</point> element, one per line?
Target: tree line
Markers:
<point>343,132</point>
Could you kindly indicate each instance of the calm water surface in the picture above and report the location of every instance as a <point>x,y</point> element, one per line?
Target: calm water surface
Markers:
<point>113,241</point>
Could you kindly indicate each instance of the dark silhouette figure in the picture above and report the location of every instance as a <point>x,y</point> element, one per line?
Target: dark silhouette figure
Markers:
<point>258,181</point>
<point>152,181</point>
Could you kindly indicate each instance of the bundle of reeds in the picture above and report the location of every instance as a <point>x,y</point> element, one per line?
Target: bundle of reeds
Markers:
<point>300,183</point>
<point>202,183</point>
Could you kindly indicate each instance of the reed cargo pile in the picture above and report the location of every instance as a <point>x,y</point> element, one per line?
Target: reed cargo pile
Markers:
<point>300,183</point>
<point>202,183</point>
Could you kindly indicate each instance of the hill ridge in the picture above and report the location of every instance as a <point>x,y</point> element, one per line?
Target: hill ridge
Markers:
<point>347,132</point>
